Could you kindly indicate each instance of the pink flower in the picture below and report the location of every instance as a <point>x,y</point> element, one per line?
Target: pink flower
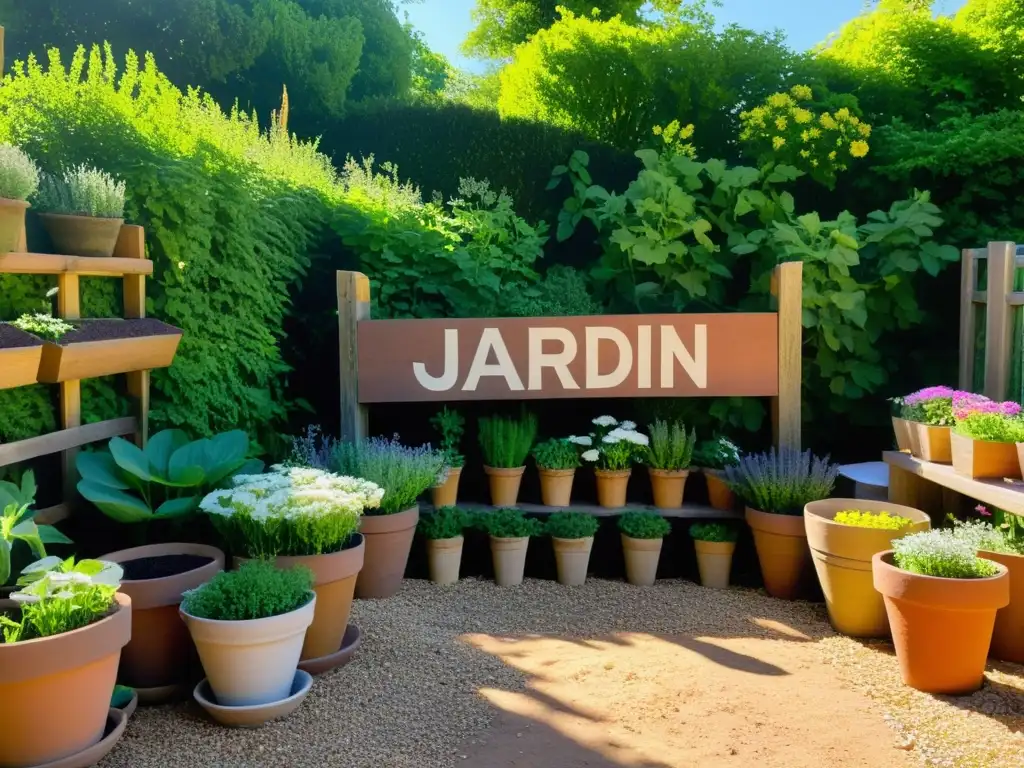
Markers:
<point>928,393</point>
<point>964,409</point>
<point>982,510</point>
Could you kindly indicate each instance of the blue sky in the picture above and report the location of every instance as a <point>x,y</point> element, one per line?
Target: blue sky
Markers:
<point>805,22</point>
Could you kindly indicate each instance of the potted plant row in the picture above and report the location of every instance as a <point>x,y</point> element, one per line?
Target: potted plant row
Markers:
<point>924,421</point>
<point>450,425</point>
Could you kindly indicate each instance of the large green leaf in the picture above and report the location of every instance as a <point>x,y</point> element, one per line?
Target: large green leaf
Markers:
<point>28,532</point>
<point>187,468</point>
<point>160,447</point>
<point>115,504</point>
<point>131,459</point>
<point>225,453</point>
<point>5,561</point>
<point>101,469</point>
<point>50,535</point>
<point>178,507</point>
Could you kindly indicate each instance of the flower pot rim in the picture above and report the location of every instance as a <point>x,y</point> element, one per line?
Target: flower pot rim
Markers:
<point>958,436</point>
<point>613,472</point>
<point>15,202</point>
<point>939,592</point>
<point>460,537</point>
<point>886,558</point>
<point>668,472</point>
<point>580,538</point>
<point>250,623</point>
<point>504,471</point>
<point>53,215</point>
<point>393,522</point>
<point>166,590</point>
<point>823,511</point>
<point>327,567</point>
<point>556,472</point>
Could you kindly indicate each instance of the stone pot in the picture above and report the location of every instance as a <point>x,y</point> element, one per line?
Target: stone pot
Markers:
<point>930,443</point>
<point>251,662</point>
<point>1008,634</point>
<point>556,486</point>
<point>388,542</point>
<point>642,557</point>
<point>509,558</point>
<point>901,428</point>
<point>444,559</point>
<point>161,654</point>
<point>714,561</point>
<point>611,487</point>
<point>941,628</point>
<point>504,484</point>
<point>77,669</point>
<point>12,223</point>
<point>82,235</point>
<point>447,494</point>
<point>572,557</point>
<point>720,495</point>
<point>842,557</point>
<point>668,486</point>
<point>781,544</point>
<point>979,459</point>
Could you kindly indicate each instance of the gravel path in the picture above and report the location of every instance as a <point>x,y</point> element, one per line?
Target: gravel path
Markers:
<point>603,676</point>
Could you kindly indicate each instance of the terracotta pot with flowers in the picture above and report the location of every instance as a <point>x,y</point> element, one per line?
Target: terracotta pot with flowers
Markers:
<point>19,180</point>
<point>985,437</point>
<point>557,460</point>
<point>714,544</point>
<point>668,462</point>
<point>616,446</point>
<point>443,529</point>
<point>572,536</point>
<point>925,422</point>
<point>510,531</point>
<point>776,486</point>
<point>711,457</point>
<point>450,424</point>
<point>505,444</point>
<point>642,534</point>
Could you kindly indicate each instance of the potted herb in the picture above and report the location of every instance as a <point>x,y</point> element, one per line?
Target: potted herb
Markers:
<point>451,425</point>
<point>984,439</point>
<point>776,486</point>
<point>714,544</point>
<point>309,518</point>
<point>16,523</point>
<point>668,462</point>
<point>404,473</point>
<point>505,444</point>
<point>844,535</point>
<point>927,418</point>
<point>941,599</point>
<point>443,530</point>
<point>83,211</point>
<point>19,180</point>
<point>642,534</point>
<point>712,457</point>
<point>616,446</point>
<point>557,460</point>
<point>249,627</point>
<point>63,632</point>
<point>572,535</point>
<point>510,531</point>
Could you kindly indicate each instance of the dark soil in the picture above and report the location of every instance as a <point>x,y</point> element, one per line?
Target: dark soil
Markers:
<point>105,330</point>
<point>162,566</point>
<point>12,338</point>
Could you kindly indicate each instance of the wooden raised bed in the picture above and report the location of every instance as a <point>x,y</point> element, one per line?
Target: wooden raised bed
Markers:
<point>105,347</point>
<point>20,353</point>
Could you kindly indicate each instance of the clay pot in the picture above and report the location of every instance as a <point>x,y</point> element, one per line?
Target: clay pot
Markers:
<point>82,235</point>
<point>388,541</point>
<point>161,653</point>
<point>251,662</point>
<point>941,628</point>
<point>12,223</point>
<point>572,557</point>
<point>334,581</point>
<point>782,551</point>
<point>556,486</point>
<point>668,486</point>
<point>642,557</point>
<point>930,443</point>
<point>509,558</point>
<point>714,561</point>
<point>504,485</point>
<point>447,494</point>
<point>902,429</point>
<point>444,559</point>
<point>982,459</point>
<point>78,669</point>
<point>842,558</point>
<point>1007,636</point>
<point>720,495</point>
<point>611,487</point>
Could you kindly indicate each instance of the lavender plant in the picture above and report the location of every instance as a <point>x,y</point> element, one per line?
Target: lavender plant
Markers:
<point>942,553</point>
<point>402,471</point>
<point>312,449</point>
<point>782,482</point>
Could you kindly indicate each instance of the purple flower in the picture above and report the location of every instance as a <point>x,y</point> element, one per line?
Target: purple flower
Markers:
<point>928,393</point>
<point>963,409</point>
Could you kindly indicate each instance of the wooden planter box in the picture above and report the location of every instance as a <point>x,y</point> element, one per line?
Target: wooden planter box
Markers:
<point>979,459</point>
<point>73,360</point>
<point>19,365</point>
<point>930,443</point>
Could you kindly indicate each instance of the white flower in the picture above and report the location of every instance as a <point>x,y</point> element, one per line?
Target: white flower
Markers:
<point>637,438</point>
<point>627,425</point>
<point>611,438</point>
<point>605,421</point>
<point>592,455</point>
<point>580,439</point>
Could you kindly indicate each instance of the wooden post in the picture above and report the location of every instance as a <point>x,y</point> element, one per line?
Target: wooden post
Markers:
<point>1002,261</point>
<point>1,51</point>
<point>131,244</point>
<point>70,391</point>
<point>353,306</point>
<point>968,318</point>
<point>787,288</point>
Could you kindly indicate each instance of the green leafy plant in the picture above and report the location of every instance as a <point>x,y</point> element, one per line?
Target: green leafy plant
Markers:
<point>556,453</point>
<point>44,326</point>
<point>444,523</point>
<point>166,479</point>
<point>451,425</point>
<point>507,523</point>
<point>860,518</point>
<point>722,532</point>
<point>718,453</point>
<point>16,523</point>
<point>644,525</point>
<point>403,472</point>
<point>991,427</point>
<point>19,175</point>
<point>670,447</point>
<point>782,482</point>
<point>571,525</point>
<point>942,553</point>
<point>82,191</point>
<point>256,590</point>
<point>506,442</point>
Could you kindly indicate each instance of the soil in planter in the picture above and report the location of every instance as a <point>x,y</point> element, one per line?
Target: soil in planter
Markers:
<point>107,330</point>
<point>162,566</point>
<point>12,337</point>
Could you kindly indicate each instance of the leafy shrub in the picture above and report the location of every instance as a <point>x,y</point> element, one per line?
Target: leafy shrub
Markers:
<point>563,292</point>
<point>571,525</point>
<point>506,442</point>
<point>556,453</point>
<point>256,590</point>
<point>644,525</point>
<point>716,454</point>
<point>19,175</point>
<point>44,326</point>
<point>444,523</point>
<point>782,482</point>
<point>451,425</point>
<point>671,448</point>
<point>403,472</point>
<point>859,518</point>
<point>508,523</point>
<point>82,191</point>
<point>721,532</point>
<point>941,553</point>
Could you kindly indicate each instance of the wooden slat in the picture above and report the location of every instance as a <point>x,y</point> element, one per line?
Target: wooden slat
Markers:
<point>787,288</point>
<point>68,307</point>
<point>1002,262</point>
<point>1015,299</point>
<point>1004,494</point>
<point>51,264</point>
<point>65,439</point>
<point>131,244</point>
<point>353,307</point>
<point>52,515</point>
<point>687,511</point>
<point>968,316</point>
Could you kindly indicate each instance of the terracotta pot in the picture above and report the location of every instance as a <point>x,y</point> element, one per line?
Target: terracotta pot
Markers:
<point>161,652</point>
<point>842,557</point>
<point>444,559</point>
<point>556,486</point>
<point>509,558</point>
<point>714,561</point>
<point>720,495</point>
<point>388,541</point>
<point>504,485</point>
<point>12,223</point>
<point>982,459</point>
<point>1008,635</point>
<point>447,494</point>
<point>77,669</point>
<point>782,551</point>
<point>572,557</point>
<point>668,486</point>
<point>930,443</point>
<point>251,662</point>
<point>334,581</point>
<point>611,487</point>
<point>902,429</point>
<point>642,557</point>
<point>941,628</point>
<point>82,235</point>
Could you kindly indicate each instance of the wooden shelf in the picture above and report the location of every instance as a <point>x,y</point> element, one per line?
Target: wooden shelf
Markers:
<point>64,439</point>
<point>1006,494</point>
<point>691,511</point>
<point>50,264</point>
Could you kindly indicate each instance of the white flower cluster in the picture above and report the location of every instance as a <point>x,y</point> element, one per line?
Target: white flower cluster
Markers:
<point>610,431</point>
<point>620,434</point>
<point>584,440</point>
<point>292,492</point>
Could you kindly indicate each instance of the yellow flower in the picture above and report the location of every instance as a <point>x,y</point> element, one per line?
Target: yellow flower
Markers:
<point>778,142</point>
<point>657,130</point>
<point>854,120</point>
<point>802,115</point>
<point>805,136</point>
<point>842,114</point>
<point>864,130</point>
<point>859,148</point>
<point>781,123</point>
<point>815,133</point>
<point>814,162</point>
<point>827,121</point>
<point>801,92</point>
<point>780,100</point>
<point>832,155</point>
<point>804,153</point>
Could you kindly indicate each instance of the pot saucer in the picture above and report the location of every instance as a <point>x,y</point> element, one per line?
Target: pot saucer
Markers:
<point>131,706</point>
<point>254,715</point>
<point>163,694</point>
<point>116,722</point>
<point>341,657</point>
